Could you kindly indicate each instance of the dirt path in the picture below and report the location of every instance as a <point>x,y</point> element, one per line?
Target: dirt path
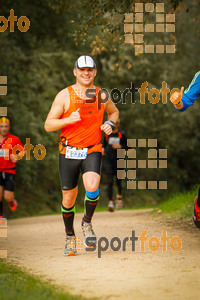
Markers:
<point>37,243</point>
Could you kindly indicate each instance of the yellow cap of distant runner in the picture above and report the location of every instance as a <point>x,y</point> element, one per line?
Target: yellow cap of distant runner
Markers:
<point>4,120</point>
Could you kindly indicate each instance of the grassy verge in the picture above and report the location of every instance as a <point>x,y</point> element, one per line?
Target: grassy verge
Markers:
<point>16,284</point>
<point>180,205</point>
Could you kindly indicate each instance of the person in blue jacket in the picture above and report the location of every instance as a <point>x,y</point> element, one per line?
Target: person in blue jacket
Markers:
<point>182,101</point>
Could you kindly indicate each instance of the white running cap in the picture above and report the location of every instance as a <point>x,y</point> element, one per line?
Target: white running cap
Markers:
<point>85,61</point>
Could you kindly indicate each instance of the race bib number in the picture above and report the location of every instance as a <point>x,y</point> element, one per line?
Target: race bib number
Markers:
<point>2,152</point>
<point>75,153</point>
<point>113,140</point>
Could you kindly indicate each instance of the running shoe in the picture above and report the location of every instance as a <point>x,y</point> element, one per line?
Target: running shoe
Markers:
<point>196,215</point>
<point>111,207</point>
<point>13,206</point>
<point>70,246</point>
<point>90,238</point>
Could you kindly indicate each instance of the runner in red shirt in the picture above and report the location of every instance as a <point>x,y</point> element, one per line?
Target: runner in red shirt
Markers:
<point>11,150</point>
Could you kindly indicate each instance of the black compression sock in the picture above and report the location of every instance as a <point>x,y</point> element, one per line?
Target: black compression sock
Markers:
<point>90,205</point>
<point>68,218</point>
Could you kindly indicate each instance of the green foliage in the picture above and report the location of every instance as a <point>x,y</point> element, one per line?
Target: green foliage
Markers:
<point>180,205</point>
<point>17,284</point>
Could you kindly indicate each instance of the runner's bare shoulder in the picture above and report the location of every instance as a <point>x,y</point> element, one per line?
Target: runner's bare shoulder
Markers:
<point>62,99</point>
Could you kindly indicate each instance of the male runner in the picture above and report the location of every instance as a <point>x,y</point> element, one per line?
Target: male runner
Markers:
<point>80,120</point>
<point>181,102</point>
<point>7,164</point>
<point>116,140</point>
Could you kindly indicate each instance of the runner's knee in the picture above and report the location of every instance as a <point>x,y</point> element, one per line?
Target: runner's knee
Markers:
<point>69,197</point>
<point>92,186</point>
<point>8,196</point>
<point>68,202</point>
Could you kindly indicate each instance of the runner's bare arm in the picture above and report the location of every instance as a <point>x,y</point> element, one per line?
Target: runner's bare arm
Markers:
<point>112,111</point>
<point>113,115</point>
<point>59,106</point>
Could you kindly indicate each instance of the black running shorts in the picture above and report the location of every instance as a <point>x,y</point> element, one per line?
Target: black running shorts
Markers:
<point>7,180</point>
<point>69,169</point>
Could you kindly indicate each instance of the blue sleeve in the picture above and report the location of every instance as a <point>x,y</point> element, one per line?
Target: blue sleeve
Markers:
<point>191,93</point>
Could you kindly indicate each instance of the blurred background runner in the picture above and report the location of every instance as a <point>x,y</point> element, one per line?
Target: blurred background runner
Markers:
<point>8,160</point>
<point>116,140</point>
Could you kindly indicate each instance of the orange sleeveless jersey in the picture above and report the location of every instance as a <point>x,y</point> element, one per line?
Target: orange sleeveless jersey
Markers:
<point>86,132</point>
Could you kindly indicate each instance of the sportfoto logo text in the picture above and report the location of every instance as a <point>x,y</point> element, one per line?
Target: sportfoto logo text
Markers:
<point>117,244</point>
<point>153,95</point>
<point>23,23</point>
